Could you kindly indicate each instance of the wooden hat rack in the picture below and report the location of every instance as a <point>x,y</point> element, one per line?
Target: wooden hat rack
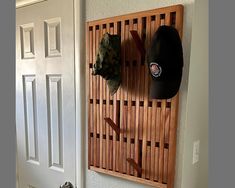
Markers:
<point>130,135</point>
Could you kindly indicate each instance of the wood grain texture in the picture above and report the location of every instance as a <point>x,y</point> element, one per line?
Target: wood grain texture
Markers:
<point>139,132</point>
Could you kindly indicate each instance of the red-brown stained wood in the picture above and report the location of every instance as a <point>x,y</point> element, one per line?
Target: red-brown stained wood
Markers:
<point>111,138</point>
<point>156,163</point>
<point>172,141</point>
<point>148,163</point>
<point>129,79</point>
<point>94,99</point>
<point>125,157</point>
<point>167,19</point>
<point>165,169</point>
<point>167,125</point>
<point>153,140</point>
<point>132,157</point>
<point>141,123</point>
<point>101,109</point>
<point>137,91</point>
<point>135,165</point>
<point>92,152</point>
<point>147,127</point>
<point>89,56</point>
<point>138,42</point>
<point>115,144</point>
<point>158,125</point>
<point>162,129</point>
<point>113,125</point>
<point>122,100</point>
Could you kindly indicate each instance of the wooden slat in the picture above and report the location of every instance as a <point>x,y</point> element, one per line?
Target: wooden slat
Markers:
<point>165,169</point>
<point>179,20</point>
<point>137,90</point>
<point>148,163</point>
<point>115,154</point>
<point>167,125</point>
<point>172,141</point>
<point>111,31</point>
<point>162,129</point>
<point>92,151</point>
<point>132,157</point>
<point>111,136</point>
<point>129,78</point>
<point>88,89</point>
<point>101,108</point>
<point>107,126</point>
<point>153,115</point>
<point>103,137</point>
<point>104,142</point>
<point>156,163</point>
<point>153,141</point>
<point>148,128</point>
<point>140,90</point>
<point>167,19</point>
<point>117,31</point>
<point>94,90</point>
<point>97,33</point>
<point>132,94</point>
<point>122,99</point>
<point>143,70</point>
<point>145,133</point>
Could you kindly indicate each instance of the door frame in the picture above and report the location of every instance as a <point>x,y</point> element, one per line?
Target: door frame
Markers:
<point>80,94</point>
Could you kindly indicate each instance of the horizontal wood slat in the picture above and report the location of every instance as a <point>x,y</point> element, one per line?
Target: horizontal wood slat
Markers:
<point>130,135</point>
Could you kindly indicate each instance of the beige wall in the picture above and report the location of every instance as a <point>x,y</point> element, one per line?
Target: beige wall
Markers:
<point>97,9</point>
<point>195,176</point>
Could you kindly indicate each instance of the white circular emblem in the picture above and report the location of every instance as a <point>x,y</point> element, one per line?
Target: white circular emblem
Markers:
<point>155,69</point>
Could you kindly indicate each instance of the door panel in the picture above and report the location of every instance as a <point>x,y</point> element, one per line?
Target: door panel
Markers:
<point>45,94</point>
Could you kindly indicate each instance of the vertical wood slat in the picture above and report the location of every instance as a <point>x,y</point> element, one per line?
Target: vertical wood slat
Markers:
<point>97,33</point>
<point>153,115</point>
<point>115,154</point>
<point>122,99</point>
<point>136,115</point>
<point>174,112</point>
<point>165,168</point>
<point>129,78</point>
<point>88,46</point>
<point>172,141</point>
<point>94,100</point>
<point>162,130</point>
<point>151,134</point>
<point>104,143</point>
<point>101,108</point>
<point>106,124</point>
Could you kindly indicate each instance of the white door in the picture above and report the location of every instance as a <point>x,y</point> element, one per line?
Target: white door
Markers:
<point>45,94</point>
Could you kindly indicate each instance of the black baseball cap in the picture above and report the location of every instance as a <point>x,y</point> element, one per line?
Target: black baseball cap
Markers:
<point>165,62</point>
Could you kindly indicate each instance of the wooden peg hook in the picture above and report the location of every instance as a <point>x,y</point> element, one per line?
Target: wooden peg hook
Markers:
<point>135,165</point>
<point>113,125</point>
<point>138,42</point>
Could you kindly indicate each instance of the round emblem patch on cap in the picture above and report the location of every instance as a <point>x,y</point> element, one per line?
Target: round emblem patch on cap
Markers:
<point>155,69</point>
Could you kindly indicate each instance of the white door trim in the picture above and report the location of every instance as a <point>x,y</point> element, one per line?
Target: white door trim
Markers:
<point>24,3</point>
<point>80,74</point>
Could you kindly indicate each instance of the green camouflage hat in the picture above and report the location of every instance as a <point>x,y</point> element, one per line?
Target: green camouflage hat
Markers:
<point>108,61</point>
